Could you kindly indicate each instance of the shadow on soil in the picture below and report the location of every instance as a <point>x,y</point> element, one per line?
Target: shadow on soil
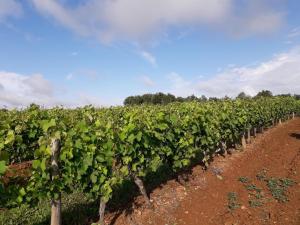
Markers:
<point>295,135</point>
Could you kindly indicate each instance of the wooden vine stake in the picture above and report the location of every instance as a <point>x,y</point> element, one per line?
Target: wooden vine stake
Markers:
<point>138,181</point>
<point>55,203</point>
<point>254,131</point>
<point>248,136</point>
<point>293,115</point>
<point>279,122</point>
<point>101,211</point>
<point>243,141</point>
<point>223,147</point>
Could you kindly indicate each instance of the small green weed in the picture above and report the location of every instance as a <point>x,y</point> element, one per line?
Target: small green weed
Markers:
<point>233,201</point>
<point>262,175</point>
<point>252,187</point>
<point>278,188</point>
<point>286,182</point>
<point>255,203</point>
<point>258,196</point>
<point>244,180</point>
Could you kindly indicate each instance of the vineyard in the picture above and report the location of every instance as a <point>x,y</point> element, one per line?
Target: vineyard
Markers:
<point>92,150</point>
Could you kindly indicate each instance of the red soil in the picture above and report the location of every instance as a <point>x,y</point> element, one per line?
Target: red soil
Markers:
<point>18,173</point>
<point>204,198</point>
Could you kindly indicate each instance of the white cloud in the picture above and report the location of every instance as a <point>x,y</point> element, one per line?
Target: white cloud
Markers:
<point>255,17</point>
<point>281,74</point>
<point>147,81</point>
<point>20,90</point>
<point>87,99</point>
<point>10,8</point>
<point>137,20</point>
<point>17,90</point>
<point>149,57</point>
<point>180,86</point>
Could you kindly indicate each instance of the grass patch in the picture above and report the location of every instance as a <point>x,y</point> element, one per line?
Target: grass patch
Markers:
<point>286,182</point>
<point>256,195</point>
<point>262,175</point>
<point>252,187</point>
<point>233,201</point>
<point>278,188</point>
<point>255,203</point>
<point>244,180</point>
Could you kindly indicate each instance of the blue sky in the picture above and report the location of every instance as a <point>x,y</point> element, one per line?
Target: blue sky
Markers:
<point>73,53</point>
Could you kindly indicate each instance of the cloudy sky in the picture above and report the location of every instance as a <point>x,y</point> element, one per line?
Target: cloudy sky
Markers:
<point>77,52</point>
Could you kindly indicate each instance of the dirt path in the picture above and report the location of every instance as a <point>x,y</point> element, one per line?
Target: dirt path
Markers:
<point>207,196</point>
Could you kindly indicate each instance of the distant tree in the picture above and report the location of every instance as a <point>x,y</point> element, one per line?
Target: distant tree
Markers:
<point>191,98</point>
<point>243,95</point>
<point>213,99</point>
<point>264,93</point>
<point>226,98</point>
<point>180,99</point>
<point>161,98</point>
<point>146,98</point>
<point>158,98</point>
<point>297,96</point>
<point>285,95</point>
<point>3,109</point>
<point>203,98</point>
<point>170,98</point>
<point>129,100</point>
<point>33,106</point>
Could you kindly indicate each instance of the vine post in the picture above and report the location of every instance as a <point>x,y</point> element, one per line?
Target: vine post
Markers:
<point>248,136</point>
<point>223,147</point>
<point>293,115</point>
<point>102,211</point>
<point>254,131</point>
<point>138,181</point>
<point>243,141</point>
<point>55,203</point>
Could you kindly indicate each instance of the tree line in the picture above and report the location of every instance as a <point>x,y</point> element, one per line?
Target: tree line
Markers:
<point>163,99</point>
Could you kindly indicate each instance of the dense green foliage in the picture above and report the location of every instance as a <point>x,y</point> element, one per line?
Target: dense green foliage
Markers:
<point>102,147</point>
